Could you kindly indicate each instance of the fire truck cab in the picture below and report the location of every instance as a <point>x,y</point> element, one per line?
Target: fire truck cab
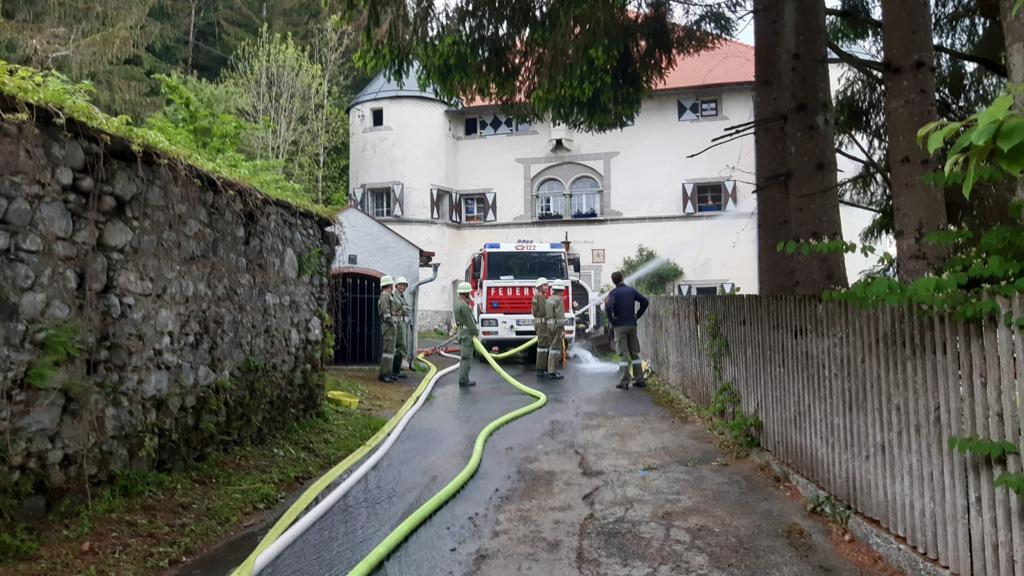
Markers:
<point>503,276</point>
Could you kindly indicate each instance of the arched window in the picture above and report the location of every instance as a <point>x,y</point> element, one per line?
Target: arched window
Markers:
<point>550,199</point>
<point>586,197</point>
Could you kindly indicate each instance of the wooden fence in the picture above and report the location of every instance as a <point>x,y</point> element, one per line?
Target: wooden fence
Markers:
<point>863,402</point>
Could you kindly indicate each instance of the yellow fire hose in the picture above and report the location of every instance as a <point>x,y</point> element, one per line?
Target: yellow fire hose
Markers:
<point>377,555</point>
<point>403,530</point>
<point>325,481</point>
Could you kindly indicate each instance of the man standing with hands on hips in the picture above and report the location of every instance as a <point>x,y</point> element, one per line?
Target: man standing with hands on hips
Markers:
<point>402,326</point>
<point>623,315</point>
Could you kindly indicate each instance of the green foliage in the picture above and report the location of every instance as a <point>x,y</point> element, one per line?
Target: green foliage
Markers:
<point>980,269</point>
<point>17,544</point>
<point>327,346</point>
<point>830,508</point>
<point>60,344</point>
<point>309,262</point>
<point>656,280</point>
<point>53,91</point>
<point>585,63</point>
<point>725,410</point>
<point>989,145</point>
<point>716,347</point>
<point>994,450</point>
<point>983,447</point>
<point>1011,481</point>
<point>731,421</point>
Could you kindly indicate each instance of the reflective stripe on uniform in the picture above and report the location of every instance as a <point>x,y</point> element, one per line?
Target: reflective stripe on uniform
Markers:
<point>638,362</point>
<point>554,352</point>
<point>542,350</point>
<point>388,355</point>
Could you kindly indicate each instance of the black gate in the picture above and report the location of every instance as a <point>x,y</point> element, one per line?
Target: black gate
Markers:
<point>353,303</point>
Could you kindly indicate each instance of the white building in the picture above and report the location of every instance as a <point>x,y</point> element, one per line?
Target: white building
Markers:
<point>453,178</point>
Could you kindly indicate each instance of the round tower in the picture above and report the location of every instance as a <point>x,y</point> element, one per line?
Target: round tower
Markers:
<point>399,138</point>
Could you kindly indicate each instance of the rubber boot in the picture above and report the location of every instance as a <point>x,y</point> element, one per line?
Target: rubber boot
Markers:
<point>469,384</point>
<point>555,376</point>
<point>387,378</point>
<point>396,371</point>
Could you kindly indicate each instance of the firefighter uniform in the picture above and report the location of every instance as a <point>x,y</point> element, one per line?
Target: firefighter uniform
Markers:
<point>388,328</point>
<point>404,310</point>
<point>467,330</point>
<point>540,319</point>
<point>556,328</point>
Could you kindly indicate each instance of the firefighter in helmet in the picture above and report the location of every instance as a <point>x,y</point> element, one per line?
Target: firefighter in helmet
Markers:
<point>556,328</point>
<point>467,331</point>
<point>540,319</point>
<point>402,326</point>
<point>388,328</point>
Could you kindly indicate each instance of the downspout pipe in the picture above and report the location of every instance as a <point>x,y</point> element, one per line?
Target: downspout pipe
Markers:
<point>415,309</point>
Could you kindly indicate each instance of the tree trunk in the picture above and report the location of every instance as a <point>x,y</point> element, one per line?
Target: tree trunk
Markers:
<point>810,146</point>
<point>771,92</point>
<point>191,33</point>
<point>909,75</point>
<point>1013,34</point>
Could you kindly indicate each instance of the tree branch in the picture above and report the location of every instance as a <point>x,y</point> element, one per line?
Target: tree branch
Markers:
<point>869,68</point>
<point>993,66</point>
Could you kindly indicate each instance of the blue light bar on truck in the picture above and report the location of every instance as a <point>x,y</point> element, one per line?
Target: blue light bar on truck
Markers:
<point>492,245</point>
<point>556,245</point>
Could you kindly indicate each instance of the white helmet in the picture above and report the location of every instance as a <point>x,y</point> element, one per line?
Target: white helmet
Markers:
<point>401,280</point>
<point>542,281</point>
<point>558,285</point>
<point>464,288</point>
<point>386,281</point>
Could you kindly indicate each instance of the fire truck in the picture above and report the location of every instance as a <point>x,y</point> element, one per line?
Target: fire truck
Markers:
<point>503,275</point>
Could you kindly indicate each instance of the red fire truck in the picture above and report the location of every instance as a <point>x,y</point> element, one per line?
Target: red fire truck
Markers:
<point>502,276</point>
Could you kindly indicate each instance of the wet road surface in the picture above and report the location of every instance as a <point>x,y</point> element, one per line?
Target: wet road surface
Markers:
<point>599,481</point>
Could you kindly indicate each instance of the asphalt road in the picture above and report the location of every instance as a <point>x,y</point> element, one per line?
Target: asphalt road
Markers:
<point>599,481</point>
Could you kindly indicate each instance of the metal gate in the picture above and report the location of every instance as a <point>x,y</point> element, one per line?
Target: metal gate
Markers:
<point>353,304</point>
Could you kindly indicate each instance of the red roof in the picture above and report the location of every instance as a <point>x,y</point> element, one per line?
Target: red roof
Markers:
<point>730,63</point>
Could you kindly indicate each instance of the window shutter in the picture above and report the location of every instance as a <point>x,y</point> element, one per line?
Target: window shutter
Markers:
<point>490,207</point>
<point>730,193</point>
<point>357,198</point>
<point>689,199</point>
<point>455,208</point>
<point>435,203</point>
<point>688,108</point>
<point>397,195</point>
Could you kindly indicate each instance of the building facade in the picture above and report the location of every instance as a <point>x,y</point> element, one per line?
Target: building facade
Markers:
<point>451,178</point>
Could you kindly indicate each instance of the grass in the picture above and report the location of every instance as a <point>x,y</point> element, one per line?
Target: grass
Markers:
<point>146,521</point>
<point>432,335</point>
<point>682,407</point>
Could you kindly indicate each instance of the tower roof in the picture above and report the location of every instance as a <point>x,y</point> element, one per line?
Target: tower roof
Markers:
<point>381,87</point>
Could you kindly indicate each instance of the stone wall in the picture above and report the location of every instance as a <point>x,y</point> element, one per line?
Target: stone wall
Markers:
<point>148,313</point>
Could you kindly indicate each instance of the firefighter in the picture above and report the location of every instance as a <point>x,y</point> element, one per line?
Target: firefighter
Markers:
<point>402,333</point>
<point>540,319</point>
<point>556,328</point>
<point>388,328</point>
<point>467,331</point>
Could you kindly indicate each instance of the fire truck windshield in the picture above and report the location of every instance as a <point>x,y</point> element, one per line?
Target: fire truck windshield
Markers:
<point>525,265</point>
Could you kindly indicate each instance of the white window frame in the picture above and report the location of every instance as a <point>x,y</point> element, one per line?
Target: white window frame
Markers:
<point>553,198</point>
<point>587,196</point>
<point>373,206</point>
<point>479,204</point>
